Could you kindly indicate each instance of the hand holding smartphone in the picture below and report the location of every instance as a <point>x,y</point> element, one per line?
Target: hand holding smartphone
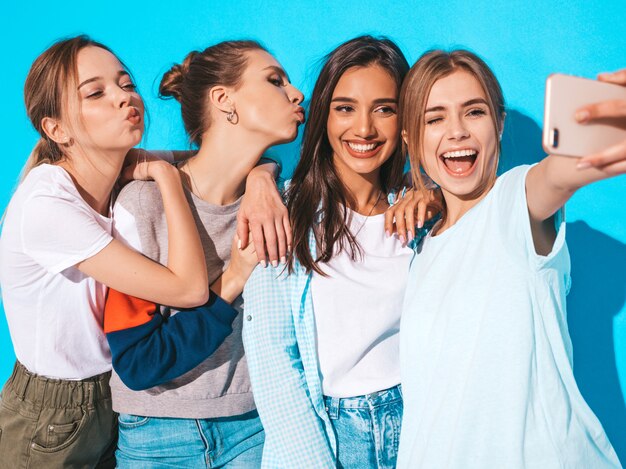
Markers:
<point>563,134</point>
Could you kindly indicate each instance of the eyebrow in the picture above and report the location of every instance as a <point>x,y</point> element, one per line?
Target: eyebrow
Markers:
<point>465,104</point>
<point>91,80</point>
<point>278,70</point>
<point>345,99</point>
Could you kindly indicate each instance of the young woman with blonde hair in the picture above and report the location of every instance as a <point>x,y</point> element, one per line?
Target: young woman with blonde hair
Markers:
<point>58,255</point>
<point>485,354</point>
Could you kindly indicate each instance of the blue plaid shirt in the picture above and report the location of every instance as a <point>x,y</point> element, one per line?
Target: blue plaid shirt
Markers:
<point>279,338</point>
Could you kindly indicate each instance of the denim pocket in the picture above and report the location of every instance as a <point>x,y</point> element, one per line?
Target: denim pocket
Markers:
<point>132,421</point>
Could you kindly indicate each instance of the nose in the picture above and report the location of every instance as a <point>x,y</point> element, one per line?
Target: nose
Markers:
<point>122,97</point>
<point>364,124</point>
<point>294,94</point>
<point>457,129</point>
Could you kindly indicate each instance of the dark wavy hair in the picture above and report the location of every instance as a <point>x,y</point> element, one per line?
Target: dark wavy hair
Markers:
<point>315,184</point>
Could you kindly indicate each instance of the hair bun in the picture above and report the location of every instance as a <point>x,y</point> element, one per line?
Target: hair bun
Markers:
<point>172,81</point>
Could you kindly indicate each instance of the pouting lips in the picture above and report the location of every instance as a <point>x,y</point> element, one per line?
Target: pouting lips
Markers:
<point>459,161</point>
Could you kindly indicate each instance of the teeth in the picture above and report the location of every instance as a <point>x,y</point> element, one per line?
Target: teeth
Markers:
<point>459,153</point>
<point>362,147</point>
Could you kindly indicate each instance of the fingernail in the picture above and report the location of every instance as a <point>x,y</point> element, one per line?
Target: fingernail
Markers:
<point>583,165</point>
<point>289,248</point>
<point>274,263</point>
<point>238,244</point>
<point>582,116</point>
<point>387,233</point>
<point>410,235</point>
<point>263,264</point>
<point>283,260</point>
<point>402,240</point>
<point>420,223</point>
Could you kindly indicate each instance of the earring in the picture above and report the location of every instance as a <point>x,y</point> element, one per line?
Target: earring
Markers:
<point>230,117</point>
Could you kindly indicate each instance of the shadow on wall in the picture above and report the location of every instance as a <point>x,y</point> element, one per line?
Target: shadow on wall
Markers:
<point>597,295</point>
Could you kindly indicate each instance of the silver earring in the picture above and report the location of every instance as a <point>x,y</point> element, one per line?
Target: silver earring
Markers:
<point>230,117</point>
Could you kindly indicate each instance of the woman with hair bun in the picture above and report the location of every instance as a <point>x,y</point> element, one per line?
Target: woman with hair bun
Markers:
<point>58,256</point>
<point>183,401</point>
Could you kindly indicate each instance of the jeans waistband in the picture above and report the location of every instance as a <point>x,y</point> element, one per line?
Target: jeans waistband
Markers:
<point>57,393</point>
<point>367,401</point>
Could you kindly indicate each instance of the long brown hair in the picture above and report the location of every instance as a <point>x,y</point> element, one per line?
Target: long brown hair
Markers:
<point>46,93</point>
<point>190,81</point>
<point>316,193</point>
<point>429,68</point>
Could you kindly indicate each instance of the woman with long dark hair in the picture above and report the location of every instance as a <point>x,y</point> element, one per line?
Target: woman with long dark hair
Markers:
<point>321,335</point>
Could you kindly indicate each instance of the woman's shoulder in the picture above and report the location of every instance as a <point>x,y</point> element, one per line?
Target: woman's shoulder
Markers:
<point>140,196</point>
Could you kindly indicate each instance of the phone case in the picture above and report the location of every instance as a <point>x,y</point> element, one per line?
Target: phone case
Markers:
<point>562,134</point>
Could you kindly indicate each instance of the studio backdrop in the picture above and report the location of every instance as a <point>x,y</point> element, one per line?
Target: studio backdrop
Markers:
<point>523,41</point>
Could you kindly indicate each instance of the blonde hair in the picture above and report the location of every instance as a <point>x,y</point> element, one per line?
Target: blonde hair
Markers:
<point>46,93</point>
<point>429,68</point>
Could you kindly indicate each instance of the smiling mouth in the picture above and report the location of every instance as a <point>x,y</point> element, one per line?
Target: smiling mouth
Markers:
<point>459,162</point>
<point>363,150</point>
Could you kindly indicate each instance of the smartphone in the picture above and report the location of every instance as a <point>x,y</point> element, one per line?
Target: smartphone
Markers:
<point>562,134</point>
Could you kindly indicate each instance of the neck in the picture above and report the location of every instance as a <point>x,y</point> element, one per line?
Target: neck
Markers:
<point>457,207</point>
<point>365,194</point>
<point>218,171</point>
<point>95,177</point>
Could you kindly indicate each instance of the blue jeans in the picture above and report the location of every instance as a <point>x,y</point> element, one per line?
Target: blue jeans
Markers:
<point>153,442</point>
<point>367,428</point>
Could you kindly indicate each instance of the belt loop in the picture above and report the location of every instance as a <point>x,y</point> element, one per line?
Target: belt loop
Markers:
<point>23,379</point>
<point>333,408</point>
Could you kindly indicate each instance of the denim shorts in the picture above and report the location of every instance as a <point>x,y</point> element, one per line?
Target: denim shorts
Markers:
<point>367,428</point>
<point>156,442</point>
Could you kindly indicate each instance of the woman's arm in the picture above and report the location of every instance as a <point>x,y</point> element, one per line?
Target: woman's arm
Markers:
<point>264,214</point>
<point>183,282</point>
<point>148,350</point>
<point>554,180</point>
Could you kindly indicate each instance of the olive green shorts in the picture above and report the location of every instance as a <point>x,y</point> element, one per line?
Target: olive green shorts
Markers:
<point>54,423</point>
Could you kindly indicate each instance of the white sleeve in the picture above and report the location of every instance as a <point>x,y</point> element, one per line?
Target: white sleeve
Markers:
<point>512,210</point>
<point>125,227</point>
<point>59,231</point>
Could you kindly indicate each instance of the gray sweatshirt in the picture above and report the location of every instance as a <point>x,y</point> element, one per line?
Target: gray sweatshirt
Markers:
<point>220,386</point>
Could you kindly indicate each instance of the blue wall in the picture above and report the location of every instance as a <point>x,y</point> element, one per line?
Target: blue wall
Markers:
<point>522,41</point>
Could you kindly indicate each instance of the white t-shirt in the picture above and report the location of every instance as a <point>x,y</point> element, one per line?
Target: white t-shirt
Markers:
<point>485,353</point>
<point>54,312</point>
<point>357,311</point>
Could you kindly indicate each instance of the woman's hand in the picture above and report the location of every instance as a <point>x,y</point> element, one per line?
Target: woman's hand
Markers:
<point>140,165</point>
<point>242,262</point>
<point>412,209</point>
<point>612,160</point>
<point>264,215</point>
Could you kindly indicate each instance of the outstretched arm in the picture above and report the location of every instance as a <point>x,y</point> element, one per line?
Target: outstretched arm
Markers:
<point>554,180</point>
